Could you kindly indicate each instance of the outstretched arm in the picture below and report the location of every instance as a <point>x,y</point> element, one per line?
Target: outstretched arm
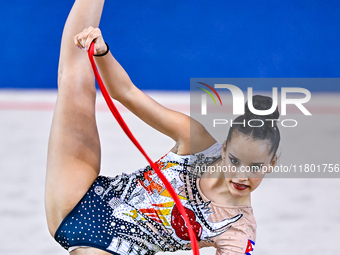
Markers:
<point>178,126</point>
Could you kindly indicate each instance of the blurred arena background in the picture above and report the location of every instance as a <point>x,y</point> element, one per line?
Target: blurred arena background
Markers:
<point>162,44</point>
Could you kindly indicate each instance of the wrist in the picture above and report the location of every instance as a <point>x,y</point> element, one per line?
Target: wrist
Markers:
<point>103,53</point>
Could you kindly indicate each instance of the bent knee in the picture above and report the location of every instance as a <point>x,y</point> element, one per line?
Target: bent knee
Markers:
<point>80,80</point>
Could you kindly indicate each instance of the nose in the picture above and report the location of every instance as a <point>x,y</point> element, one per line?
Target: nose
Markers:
<point>241,175</point>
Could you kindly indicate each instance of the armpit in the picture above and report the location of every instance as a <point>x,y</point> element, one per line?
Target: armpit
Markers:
<point>175,148</point>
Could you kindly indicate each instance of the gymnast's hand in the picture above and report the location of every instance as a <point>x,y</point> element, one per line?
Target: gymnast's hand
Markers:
<point>84,39</point>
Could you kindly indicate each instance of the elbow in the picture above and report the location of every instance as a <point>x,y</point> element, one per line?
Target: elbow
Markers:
<point>122,92</point>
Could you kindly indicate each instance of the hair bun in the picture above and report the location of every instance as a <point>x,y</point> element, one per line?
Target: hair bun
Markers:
<point>262,103</point>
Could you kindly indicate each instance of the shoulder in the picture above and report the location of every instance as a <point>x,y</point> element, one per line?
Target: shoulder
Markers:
<point>213,150</point>
<point>206,157</point>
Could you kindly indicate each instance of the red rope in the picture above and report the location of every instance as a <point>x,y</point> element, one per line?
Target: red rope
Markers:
<point>127,131</point>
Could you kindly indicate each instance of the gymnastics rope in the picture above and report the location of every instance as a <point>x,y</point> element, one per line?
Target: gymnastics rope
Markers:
<point>127,131</point>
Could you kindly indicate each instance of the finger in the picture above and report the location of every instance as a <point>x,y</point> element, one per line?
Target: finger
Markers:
<point>93,36</point>
<point>81,37</point>
<point>85,36</point>
<point>76,42</point>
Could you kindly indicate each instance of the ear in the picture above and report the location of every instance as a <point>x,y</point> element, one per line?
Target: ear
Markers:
<point>274,161</point>
<point>272,164</point>
<point>224,148</point>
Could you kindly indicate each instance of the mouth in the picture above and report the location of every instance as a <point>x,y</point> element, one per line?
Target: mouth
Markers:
<point>239,186</point>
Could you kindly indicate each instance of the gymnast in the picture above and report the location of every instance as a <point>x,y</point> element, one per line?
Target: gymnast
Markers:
<point>133,213</point>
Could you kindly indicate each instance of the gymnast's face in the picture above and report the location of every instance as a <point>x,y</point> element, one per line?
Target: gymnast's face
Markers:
<point>247,158</point>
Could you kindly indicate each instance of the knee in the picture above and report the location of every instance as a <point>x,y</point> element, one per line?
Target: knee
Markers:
<point>74,81</point>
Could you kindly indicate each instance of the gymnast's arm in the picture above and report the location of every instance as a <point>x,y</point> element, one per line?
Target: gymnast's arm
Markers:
<point>176,125</point>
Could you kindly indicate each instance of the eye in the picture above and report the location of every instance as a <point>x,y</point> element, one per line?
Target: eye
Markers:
<point>233,161</point>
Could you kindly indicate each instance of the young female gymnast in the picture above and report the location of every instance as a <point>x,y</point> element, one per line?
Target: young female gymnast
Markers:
<point>134,213</point>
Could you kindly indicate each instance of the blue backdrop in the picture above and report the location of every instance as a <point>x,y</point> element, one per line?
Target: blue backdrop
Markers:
<point>163,43</point>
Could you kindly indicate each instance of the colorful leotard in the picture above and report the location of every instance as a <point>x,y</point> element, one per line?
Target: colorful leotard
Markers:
<point>132,214</point>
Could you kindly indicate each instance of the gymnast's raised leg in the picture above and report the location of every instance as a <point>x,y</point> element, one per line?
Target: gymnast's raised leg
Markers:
<point>73,161</point>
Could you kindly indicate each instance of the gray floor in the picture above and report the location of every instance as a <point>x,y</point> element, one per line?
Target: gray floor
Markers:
<point>295,215</point>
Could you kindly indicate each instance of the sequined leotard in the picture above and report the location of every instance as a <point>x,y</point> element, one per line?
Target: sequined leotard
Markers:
<point>132,214</point>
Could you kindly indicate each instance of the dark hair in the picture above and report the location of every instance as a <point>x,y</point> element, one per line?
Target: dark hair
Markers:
<point>268,131</point>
